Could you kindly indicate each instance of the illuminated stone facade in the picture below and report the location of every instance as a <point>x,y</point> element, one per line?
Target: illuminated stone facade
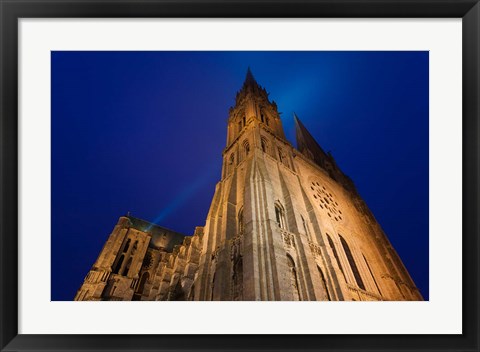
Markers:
<point>284,224</point>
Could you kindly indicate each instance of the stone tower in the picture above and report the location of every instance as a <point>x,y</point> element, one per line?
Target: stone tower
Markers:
<point>284,224</point>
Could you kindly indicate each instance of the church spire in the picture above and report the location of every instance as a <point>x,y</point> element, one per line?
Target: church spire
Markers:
<point>250,86</point>
<point>250,81</point>
<point>306,144</point>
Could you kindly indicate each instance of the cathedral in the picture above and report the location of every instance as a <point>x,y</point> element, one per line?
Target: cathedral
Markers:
<point>285,224</point>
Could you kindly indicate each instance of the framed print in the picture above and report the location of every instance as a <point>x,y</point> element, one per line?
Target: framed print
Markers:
<point>248,176</point>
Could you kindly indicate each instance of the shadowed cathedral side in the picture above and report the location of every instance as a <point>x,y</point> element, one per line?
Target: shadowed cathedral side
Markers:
<point>284,224</point>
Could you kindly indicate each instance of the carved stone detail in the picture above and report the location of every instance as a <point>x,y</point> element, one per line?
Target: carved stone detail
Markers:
<point>288,239</point>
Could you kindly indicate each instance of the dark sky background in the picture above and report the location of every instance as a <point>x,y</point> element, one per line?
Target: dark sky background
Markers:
<point>144,132</point>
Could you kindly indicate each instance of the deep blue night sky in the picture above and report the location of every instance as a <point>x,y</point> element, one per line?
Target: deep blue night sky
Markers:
<point>144,132</point>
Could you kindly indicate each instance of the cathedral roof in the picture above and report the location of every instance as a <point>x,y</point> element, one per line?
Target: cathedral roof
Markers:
<point>161,236</point>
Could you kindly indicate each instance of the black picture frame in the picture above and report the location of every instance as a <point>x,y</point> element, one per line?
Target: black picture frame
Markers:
<point>11,11</point>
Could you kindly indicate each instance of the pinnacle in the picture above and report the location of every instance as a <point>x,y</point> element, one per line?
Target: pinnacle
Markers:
<point>249,79</point>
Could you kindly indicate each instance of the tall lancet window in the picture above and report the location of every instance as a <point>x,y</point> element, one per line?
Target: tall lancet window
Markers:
<point>324,283</point>
<point>127,244</point>
<point>264,144</point>
<point>293,278</point>
<point>335,254</point>
<point>246,148</point>
<point>240,221</point>
<point>280,155</point>
<point>352,263</point>
<point>280,216</point>
<point>127,267</point>
<point>116,270</point>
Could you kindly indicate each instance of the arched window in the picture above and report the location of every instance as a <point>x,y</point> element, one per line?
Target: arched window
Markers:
<point>127,267</point>
<point>280,216</point>
<point>280,155</point>
<point>293,278</point>
<point>116,270</point>
<point>244,120</point>
<point>264,144</point>
<point>371,273</point>
<point>352,263</point>
<point>324,283</point>
<point>332,246</point>
<point>246,148</point>
<point>142,282</point>
<point>127,244</point>
<point>240,221</point>
<point>262,117</point>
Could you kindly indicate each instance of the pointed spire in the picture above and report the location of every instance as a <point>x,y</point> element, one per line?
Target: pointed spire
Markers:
<point>306,144</point>
<point>251,85</point>
<point>249,79</point>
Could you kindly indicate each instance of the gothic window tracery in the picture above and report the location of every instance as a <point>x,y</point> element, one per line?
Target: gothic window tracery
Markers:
<point>326,201</point>
<point>264,144</point>
<point>353,265</point>
<point>246,147</point>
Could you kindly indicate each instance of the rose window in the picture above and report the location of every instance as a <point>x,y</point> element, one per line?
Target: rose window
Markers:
<point>324,199</point>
